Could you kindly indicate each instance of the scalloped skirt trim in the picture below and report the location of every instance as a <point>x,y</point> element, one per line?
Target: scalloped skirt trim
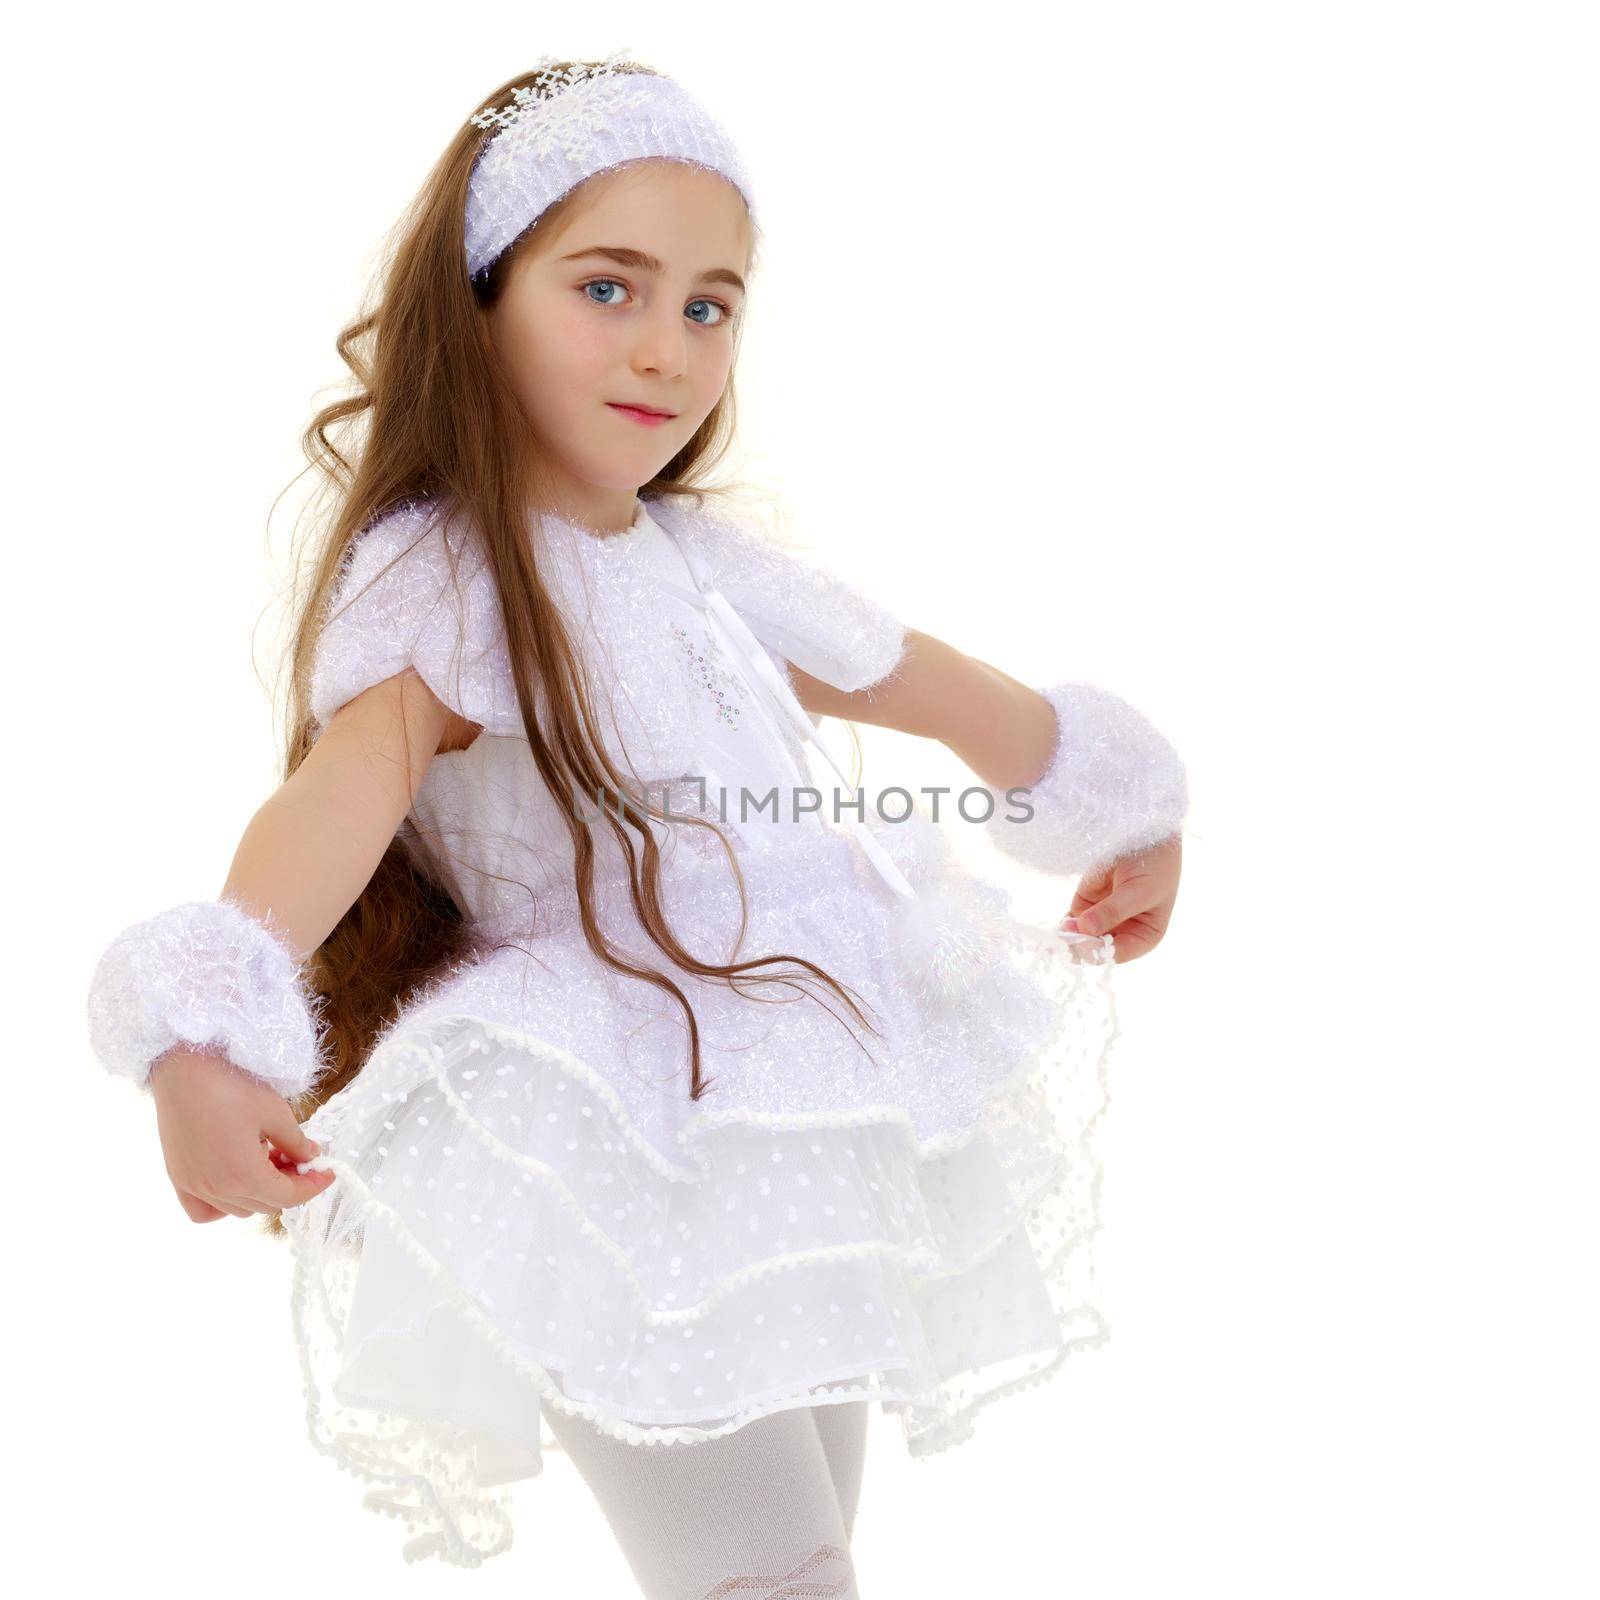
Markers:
<point>1029,1161</point>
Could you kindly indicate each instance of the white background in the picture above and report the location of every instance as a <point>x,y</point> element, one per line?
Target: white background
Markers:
<point>1239,357</point>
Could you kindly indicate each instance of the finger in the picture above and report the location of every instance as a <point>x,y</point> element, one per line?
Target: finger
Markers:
<point>1131,900</point>
<point>224,1189</point>
<point>1101,918</point>
<point>308,1189</point>
<point>1092,888</point>
<point>281,1189</point>
<point>1137,938</point>
<point>252,1193</point>
<point>287,1134</point>
<point>195,1208</point>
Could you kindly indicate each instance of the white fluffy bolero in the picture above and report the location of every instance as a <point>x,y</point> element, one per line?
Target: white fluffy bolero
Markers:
<point>417,592</point>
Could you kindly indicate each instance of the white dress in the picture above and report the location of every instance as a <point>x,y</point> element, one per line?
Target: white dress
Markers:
<point>529,1206</point>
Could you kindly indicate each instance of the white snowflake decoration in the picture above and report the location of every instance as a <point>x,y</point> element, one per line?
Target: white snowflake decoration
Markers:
<point>570,123</point>
<point>547,114</point>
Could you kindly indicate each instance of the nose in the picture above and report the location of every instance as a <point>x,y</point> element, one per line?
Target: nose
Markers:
<point>663,346</point>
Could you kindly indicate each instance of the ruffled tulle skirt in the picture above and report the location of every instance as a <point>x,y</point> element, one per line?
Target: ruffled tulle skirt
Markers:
<point>530,1210</point>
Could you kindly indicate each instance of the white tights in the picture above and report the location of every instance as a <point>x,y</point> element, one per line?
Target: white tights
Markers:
<point>762,1513</point>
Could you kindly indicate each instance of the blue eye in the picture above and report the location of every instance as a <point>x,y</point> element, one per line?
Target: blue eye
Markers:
<point>614,283</point>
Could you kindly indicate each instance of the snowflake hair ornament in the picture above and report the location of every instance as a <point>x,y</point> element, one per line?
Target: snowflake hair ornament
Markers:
<point>571,123</point>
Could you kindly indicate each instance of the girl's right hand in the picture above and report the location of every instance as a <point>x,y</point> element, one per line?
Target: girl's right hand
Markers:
<point>220,1131</point>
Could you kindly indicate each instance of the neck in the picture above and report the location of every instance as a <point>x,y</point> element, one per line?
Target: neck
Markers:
<point>604,514</point>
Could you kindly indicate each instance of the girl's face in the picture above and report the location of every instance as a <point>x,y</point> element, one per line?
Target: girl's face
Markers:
<point>630,301</point>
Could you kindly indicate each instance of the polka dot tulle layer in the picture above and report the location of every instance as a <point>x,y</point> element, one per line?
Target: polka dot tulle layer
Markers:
<point>529,1208</point>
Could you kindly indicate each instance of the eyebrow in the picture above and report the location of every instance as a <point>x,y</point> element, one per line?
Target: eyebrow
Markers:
<point>643,261</point>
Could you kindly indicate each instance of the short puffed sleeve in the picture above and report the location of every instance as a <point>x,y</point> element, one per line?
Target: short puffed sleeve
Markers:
<point>415,593</point>
<point>803,612</point>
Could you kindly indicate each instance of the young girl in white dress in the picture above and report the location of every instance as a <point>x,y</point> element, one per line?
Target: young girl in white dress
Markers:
<point>659,1104</point>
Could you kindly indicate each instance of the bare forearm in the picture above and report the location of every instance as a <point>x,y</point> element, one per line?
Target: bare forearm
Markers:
<point>314,845</point>
<point>1003,730</point>
<point>305,860</point>
<point>224,976</point>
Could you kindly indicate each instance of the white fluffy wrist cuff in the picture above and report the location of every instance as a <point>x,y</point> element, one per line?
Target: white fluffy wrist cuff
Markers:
<point>208,975</point>
<point>1113,786</point>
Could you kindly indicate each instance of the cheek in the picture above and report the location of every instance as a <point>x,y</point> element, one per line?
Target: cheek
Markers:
<point>579,341</point>
<point>560,353</point>
<point>715,372</point>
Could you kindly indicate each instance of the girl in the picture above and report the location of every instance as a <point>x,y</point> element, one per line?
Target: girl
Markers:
<point>650,1093</point>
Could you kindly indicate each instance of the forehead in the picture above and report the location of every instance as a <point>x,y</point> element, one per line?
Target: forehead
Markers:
<point>668,199</point>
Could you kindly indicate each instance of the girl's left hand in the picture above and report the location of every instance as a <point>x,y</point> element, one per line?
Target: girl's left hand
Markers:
<point>1131,899</point>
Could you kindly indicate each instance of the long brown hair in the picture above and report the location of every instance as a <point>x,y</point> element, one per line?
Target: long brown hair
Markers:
<point>442,422</point>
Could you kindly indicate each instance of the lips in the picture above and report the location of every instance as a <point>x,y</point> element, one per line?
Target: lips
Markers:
<point>649,411</point>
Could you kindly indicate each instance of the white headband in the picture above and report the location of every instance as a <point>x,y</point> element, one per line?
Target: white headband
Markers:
<point>569,126</point>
